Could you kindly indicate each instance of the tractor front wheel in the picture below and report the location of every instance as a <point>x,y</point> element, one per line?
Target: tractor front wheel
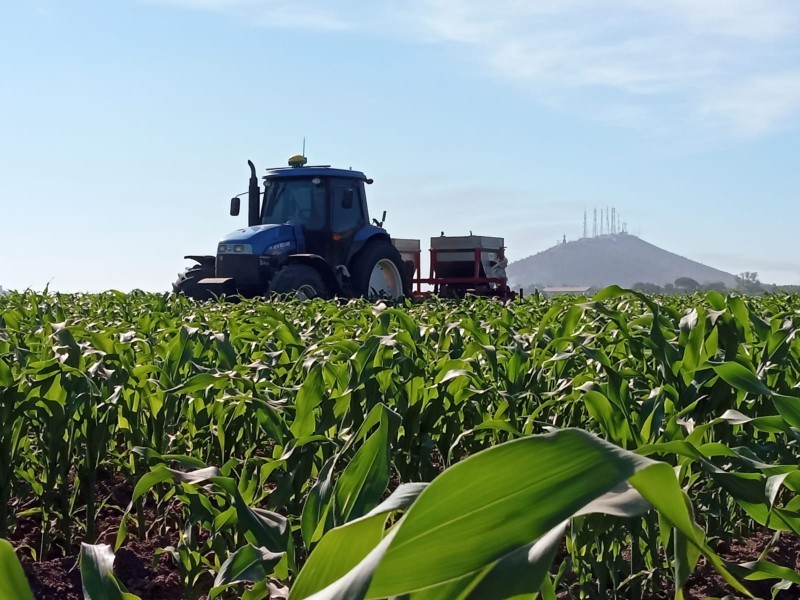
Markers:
<point>378,272</point>
<point>188,282</point>
<point>303,281</point>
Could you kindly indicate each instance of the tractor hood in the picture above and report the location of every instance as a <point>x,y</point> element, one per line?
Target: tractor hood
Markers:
<point>261,239</point>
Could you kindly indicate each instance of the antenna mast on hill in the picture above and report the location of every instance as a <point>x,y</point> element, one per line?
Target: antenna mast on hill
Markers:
<point>609,223</point>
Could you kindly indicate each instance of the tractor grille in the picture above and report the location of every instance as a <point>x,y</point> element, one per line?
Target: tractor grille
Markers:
<point>243,268</point>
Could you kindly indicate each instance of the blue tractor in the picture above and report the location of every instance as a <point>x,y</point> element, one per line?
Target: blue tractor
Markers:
<point>308,234</point>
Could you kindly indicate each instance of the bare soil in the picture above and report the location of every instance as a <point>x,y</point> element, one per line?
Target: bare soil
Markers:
<point>705,581</point>
<point>143,572</point>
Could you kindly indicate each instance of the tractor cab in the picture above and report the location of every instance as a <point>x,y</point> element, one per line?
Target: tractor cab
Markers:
<point>328,206</point>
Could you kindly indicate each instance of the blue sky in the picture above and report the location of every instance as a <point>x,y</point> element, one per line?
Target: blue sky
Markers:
<point>126,125</point>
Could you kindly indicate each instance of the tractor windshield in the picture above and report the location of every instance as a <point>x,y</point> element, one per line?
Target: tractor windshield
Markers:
<point>295,200</point>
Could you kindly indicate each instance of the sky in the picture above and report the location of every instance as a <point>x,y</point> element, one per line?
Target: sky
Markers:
<point>126,125</point>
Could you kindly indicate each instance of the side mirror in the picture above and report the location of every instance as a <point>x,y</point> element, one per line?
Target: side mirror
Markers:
<point>347,200</point>
<point>235,206</point>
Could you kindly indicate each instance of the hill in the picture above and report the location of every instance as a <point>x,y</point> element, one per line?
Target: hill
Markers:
<point>621,259</point>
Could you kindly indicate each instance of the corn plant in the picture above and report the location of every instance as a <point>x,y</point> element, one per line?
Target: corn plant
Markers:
<point>317,411</point>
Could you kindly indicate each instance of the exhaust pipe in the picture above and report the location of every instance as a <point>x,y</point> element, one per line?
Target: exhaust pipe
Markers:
<point>253,197</point>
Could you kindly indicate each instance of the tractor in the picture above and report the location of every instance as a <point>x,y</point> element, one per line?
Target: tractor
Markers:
<point>308,234</point>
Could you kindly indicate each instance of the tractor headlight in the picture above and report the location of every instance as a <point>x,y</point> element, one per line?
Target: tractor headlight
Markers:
<point>234,249</point>
<point>278,248</point>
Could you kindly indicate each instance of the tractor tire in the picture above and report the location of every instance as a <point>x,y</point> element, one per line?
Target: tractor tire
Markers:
<point>188,282</point>
<point>378,272</point>
<point>302,281</point>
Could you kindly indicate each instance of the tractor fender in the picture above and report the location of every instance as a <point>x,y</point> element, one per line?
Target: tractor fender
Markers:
<point>366,236</point>
<point>202,259</point>
<point>321,265</point>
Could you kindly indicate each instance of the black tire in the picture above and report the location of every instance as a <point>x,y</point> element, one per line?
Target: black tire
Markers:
<point>188,282</point>
<point>303,281</point>
<point>375,254</point>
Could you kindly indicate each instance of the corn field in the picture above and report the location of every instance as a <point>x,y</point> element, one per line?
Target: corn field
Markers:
<point>605,447</point>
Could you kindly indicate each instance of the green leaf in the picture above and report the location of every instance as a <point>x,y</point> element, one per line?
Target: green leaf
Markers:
<point>13,583</point>
<point>361,484</point>
<point>268,529</point>
<point>472,514</point>
<point>741,378</point>
<point>345,547</point>
<point>611,421</point>
<point>248,563</point>
<point>97,574</point>
<point>308,398</point>
<point>759,570</point>
<point>6,376</point>
<point>160,473</point>
<point>523,571</point>
<point>196,382</point>
<point>789,408</point>
<point>481,510</point>
<point>658,485</point>
<point>317,503</point>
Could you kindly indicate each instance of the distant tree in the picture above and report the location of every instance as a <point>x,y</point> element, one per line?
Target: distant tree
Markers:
<point>686,285</point>
<point>716,286</point>
<point>748,283</point>
<point>669,288</point>
<point>647,287</point>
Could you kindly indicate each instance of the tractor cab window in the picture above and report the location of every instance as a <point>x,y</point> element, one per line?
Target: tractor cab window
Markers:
<point>345,205</point>
<point>294,200</point>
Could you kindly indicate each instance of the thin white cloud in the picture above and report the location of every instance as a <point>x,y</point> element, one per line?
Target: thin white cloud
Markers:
<point>649,59</point>
<point>728,66</point>
<point>760,104</point>
<point>757,19</point>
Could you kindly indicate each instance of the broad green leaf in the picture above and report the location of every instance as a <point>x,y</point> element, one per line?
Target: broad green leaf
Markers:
<point>473,515</point>
<point>462,522</point>
<point>6,376</point>
<point>195,383</point>
<point>13,583</point>
<point>789,408</point>
<point>267,529</point>
<point>248,563</point>
<point>658,485</point>
<point>317,502</point>
<point>345,547</point>
<point>741,378</point>
<point>97,574</point>
<point>308,398</point>
<point>363,481</point>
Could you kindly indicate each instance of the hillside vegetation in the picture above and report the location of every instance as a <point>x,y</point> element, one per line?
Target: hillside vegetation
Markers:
<point>619,259</point>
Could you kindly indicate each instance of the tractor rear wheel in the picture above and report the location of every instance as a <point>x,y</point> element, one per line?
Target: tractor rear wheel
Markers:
<point>378,272</point>
<point>303,281</point>
<point>188,282</point>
